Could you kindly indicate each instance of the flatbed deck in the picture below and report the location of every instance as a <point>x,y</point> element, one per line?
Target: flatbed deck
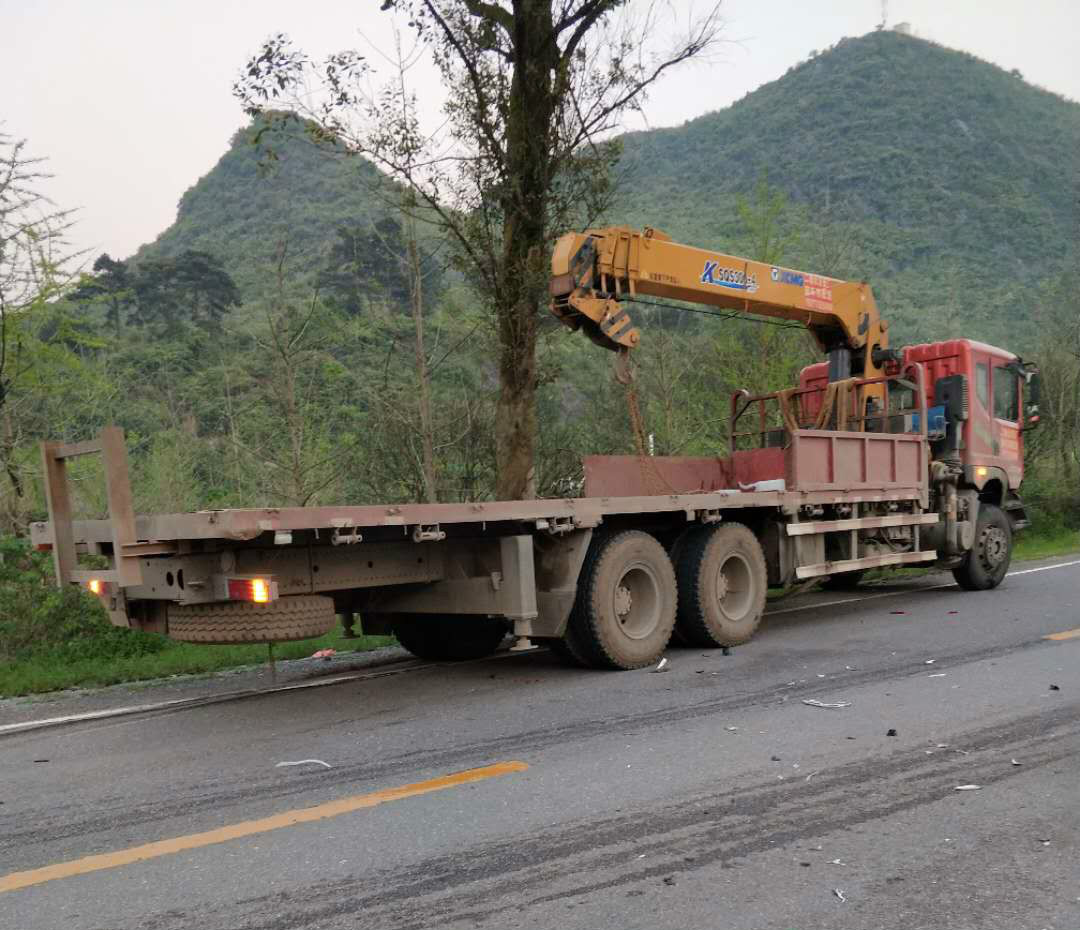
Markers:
<point>582,513</point>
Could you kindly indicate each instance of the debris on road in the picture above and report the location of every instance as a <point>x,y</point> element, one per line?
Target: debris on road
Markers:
<point>1014,762</point>
<point>812,774</point>
<point>1054,688</point>
<point>662,665</point>
<point>898,612</point>
<point>669,880</point>
<point>813,702</point>
<point>325,765</point>
<point>937,675</point>
<point>732,729</point>
<point>967,788</point>
<point>890,732</point>
<point>839,894</point>
<point>929,662</point>
<point>836,862</point>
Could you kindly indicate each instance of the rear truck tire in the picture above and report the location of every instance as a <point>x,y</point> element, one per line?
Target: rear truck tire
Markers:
<point>624,612</point>
<point>304,616</point>
<point>843,581</point>
<point>449,639</point>
<point>674,551</point>
<point>988,561</point>
<point>723,581</point>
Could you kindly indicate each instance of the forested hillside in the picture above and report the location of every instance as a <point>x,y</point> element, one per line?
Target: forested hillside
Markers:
<point>263,350</point>
<point>267,189</point>
<point>950,184</point>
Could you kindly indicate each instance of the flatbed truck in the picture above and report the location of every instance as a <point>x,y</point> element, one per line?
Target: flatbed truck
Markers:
<point>878,457</point>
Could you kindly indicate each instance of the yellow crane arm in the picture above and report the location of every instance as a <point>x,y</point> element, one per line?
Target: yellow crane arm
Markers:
<point>594,272</point>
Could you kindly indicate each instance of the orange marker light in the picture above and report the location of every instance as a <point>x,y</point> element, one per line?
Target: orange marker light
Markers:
<point>94,584</point>
<point>256,590</point>
<point>981,471</point>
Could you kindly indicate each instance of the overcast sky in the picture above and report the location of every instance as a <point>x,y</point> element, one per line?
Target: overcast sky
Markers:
<point>130,99</point>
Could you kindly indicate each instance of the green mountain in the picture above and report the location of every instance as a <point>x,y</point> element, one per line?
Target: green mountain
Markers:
<point>270,189</point>
<point>950,184</point>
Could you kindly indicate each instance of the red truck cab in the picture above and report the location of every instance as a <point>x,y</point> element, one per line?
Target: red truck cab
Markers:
<point>992,447</point>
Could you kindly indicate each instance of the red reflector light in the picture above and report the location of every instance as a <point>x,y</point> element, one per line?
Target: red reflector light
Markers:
<point>256,590</point>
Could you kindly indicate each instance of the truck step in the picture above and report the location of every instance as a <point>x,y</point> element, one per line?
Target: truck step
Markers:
<point>871,561</point>
<point>861,523</point>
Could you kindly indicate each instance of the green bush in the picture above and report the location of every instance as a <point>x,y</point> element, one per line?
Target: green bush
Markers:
<point>39,619</point>
<point>1052,504</point>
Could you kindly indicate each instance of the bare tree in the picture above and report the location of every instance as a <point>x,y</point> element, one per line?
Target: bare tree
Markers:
<point>36,264</point>
<point>535,89</point>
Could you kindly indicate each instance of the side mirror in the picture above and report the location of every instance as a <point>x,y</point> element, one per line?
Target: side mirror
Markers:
<point>1032,390</point>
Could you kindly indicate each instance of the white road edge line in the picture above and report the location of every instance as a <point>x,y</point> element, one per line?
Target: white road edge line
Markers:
<point>338,679</point>
<point>204,700</point>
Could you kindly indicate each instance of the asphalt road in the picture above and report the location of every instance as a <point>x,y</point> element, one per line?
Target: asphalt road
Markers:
<point>707,796</point>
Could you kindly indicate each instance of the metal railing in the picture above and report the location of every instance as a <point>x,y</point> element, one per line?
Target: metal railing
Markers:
<point>773,428</point>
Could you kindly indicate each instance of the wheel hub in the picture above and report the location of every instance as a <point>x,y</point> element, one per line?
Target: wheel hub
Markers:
<point>993,546</point>
<point>721,586</point>
<point>624,601</point>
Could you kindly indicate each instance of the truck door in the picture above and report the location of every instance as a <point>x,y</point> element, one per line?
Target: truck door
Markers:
<point>1006,422</point>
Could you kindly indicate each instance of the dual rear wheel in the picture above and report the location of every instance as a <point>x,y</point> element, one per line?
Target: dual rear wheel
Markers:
<point>633,595</point>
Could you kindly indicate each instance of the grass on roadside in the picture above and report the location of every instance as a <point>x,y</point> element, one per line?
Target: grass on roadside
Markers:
<point>53,672</point>
<point>1031,545</point>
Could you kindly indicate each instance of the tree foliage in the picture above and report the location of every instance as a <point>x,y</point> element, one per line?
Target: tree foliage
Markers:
<point>535,88</point>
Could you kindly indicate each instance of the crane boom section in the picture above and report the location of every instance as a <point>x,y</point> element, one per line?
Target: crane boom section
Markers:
<point>594,272</point>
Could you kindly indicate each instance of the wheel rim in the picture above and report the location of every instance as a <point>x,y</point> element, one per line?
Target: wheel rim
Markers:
<point>636,601</point>
<point>734,587</point>
<point>993,547</point>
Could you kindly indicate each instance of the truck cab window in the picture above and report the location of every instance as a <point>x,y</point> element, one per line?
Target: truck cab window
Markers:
<point>982,384</point>
<point>1006,395</point>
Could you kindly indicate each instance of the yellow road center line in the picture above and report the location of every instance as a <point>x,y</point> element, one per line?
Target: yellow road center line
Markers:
<point>112,860</point>
<point>1068,634</point>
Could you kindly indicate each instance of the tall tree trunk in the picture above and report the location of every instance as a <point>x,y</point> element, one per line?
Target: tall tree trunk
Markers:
<point>528,168</point>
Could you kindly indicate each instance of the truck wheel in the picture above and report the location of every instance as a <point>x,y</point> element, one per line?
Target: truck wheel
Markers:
<point>448,639</point>
<point>986,564</point>
<point>298,617</point>
<point>843,581</point>
<point>625,607</point>
<point>722,585</point>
